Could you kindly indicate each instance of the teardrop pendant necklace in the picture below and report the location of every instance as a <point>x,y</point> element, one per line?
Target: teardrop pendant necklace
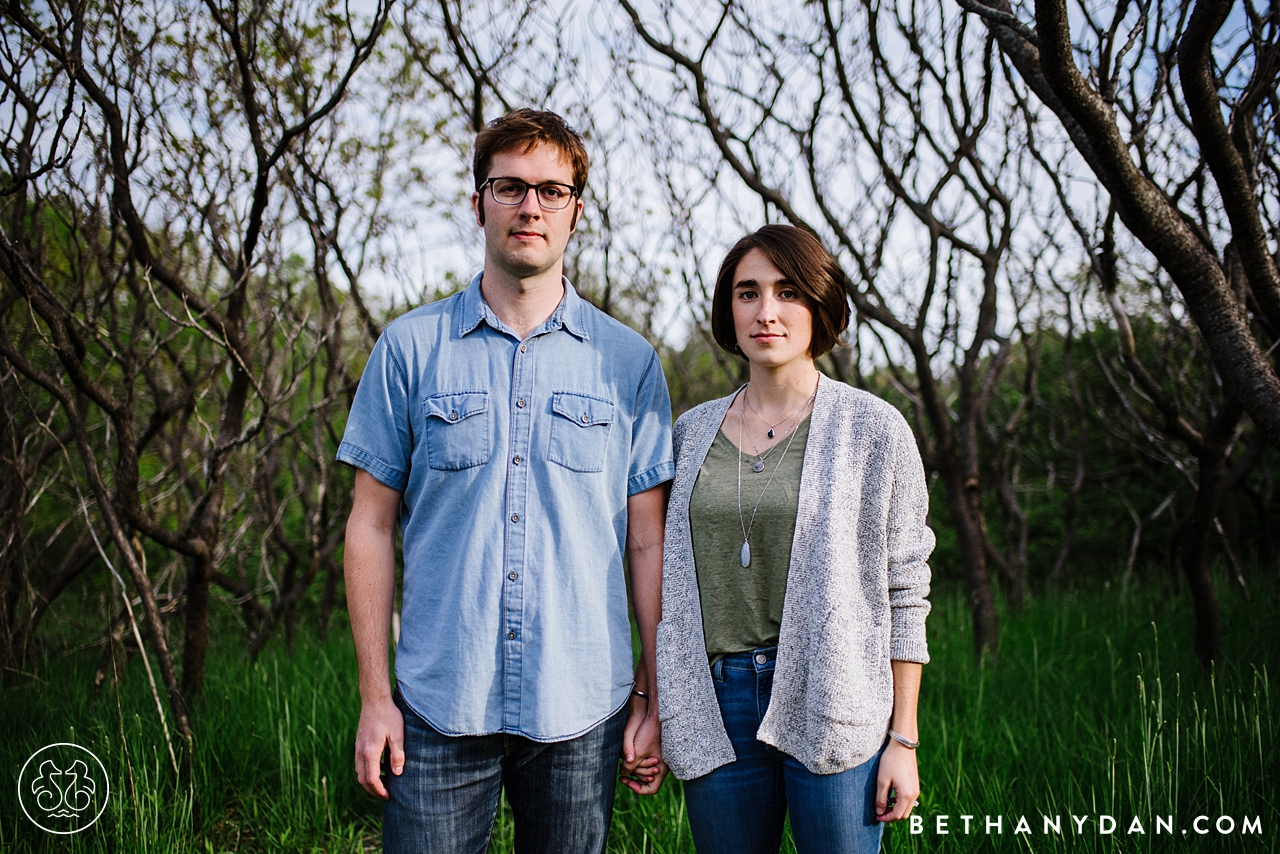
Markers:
<point>758,465</point>
<point>765,421</point>
<point>745,556</point>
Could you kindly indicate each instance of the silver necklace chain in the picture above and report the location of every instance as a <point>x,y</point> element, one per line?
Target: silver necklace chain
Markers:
<point>758,465</point>
<point>747,399</point>
<point>745,556</point>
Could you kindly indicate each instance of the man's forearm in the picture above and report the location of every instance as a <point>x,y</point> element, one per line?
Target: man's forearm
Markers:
<point>370,571</point>
<point>646,668</point>
<point>370,568</point>
<point>646,522</point>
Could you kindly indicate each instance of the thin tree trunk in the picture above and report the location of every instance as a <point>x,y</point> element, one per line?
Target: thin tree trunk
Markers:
<point>1013,569</point>
<point>973,555</point>
<point>1077,481</point>
<point>328,597</point>
<point>1200,529</point>
<point>196,628</point>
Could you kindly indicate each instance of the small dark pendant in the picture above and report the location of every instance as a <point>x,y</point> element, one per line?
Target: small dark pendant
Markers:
<point>758,466</point>
<point>770,432</point>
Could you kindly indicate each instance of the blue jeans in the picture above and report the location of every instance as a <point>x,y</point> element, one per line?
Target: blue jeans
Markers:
<point>740,808</point>
<point>561,792</point>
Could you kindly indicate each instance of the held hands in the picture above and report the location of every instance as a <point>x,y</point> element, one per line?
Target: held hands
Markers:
<point>381,726</point>
<point>897,784</point>
<point>642,767</point>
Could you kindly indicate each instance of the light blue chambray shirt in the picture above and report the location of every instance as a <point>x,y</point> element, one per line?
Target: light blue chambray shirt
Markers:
<point>515,459</point>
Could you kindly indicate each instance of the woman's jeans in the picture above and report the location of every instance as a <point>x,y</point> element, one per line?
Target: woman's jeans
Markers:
<point>739,808</point>
<point>561,793</point>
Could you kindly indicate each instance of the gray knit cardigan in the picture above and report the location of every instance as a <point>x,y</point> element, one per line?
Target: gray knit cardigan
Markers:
<point>855,595</point>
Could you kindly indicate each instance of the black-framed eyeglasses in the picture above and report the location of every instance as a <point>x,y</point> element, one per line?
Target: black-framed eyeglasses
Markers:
<point>551,195</point>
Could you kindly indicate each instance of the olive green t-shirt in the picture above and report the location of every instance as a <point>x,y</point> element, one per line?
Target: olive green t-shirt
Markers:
<point>742,607</point>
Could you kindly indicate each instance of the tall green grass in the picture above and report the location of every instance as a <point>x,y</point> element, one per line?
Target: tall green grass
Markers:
<point>272,756</point>
<point>1093,707</point>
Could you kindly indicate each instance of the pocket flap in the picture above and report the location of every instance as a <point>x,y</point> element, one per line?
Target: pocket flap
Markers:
<point>582,409</point>
<point>455,406</point>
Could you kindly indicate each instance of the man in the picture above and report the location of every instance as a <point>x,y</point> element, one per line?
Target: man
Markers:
<point>522,439</point>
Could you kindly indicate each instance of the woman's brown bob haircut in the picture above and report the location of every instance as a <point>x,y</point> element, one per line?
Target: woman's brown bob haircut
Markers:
<point>523,130</point>
<point>801,258</point>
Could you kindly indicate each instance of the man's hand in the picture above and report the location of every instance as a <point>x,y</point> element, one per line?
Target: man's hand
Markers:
<point>897,772</point>
<point>381,726</point>
<point>642,767</point>
<point>370,564</point>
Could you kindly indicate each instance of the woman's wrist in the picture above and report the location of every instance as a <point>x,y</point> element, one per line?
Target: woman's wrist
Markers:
<point>909,743</point>
<point>905,724</point>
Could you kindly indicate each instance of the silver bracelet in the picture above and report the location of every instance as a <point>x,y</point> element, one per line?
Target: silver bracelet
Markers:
<point>903,740</point>
<point>640,694</point>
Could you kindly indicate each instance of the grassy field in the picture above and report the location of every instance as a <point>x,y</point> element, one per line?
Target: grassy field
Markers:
<point>1094,708</point>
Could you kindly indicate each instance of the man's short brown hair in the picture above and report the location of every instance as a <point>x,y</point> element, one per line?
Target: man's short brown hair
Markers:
<point>524,129</point>
<point>800,257</point>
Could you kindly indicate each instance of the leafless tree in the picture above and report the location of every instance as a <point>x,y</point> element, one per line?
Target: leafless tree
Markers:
<point>1196,428</point>
<point>883,128</point>
<point>1176,119</point>
<point>175,355</point>
<point>1140,92</point>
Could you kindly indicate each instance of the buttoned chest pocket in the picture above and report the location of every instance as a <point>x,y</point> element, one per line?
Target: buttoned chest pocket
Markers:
<point>457,430</point>
<point>580,426</point>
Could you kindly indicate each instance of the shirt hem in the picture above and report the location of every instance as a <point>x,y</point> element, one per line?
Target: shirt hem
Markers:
<point>541,739</point>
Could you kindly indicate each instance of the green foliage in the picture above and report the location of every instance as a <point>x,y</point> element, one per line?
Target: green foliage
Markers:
<point>699,372</point>
<point>1131,466</point>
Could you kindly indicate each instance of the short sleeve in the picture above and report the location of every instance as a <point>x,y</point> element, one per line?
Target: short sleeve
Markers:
<point>651,461</point>
<point>378,437</point>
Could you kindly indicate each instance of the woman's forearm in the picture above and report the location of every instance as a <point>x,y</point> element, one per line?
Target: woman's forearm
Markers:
<point>906,694</point>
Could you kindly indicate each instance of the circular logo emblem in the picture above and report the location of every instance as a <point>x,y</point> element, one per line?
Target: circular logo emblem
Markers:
<point>63,788</point>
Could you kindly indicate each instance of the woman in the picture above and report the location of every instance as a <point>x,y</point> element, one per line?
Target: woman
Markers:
<point>794,580</point>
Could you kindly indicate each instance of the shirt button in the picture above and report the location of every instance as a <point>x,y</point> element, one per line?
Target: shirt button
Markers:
<point>520,403</point>
<point>511,635</point>
<point>511,575</point>
<point>524,347</point>
<point>516,461</point>
<point>453,416</point>
<point>761,658</point>
<point>585,418</point>
<point>515,517</point>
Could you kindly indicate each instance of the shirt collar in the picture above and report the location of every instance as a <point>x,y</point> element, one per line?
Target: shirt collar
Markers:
<point>570,313</point>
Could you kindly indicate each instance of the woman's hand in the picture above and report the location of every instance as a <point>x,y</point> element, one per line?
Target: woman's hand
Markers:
<point>642,767</point>
<point>898,774</point>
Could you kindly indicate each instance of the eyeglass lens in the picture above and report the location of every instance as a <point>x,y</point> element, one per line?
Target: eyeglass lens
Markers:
<point>512,191</point>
